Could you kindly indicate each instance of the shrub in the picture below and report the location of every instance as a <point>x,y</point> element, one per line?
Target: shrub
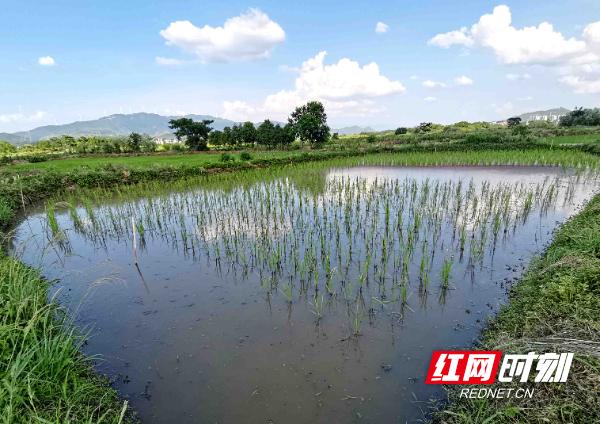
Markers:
<point>178,147</point>
<point>520,130</point>
<point>244,156</point>
<point>37,158</point>
<point>400,131</point>
<point>226,157</point>
<point>6,213</point>
<point>371,138</point>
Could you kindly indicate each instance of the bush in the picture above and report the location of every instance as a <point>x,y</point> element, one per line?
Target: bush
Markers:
<point>6,213</point>
<point>37,158</point>
<point>244,156</point>
<point>177,147</point>
<point>400,131</point>
<point>520,130</point>
<point>226,157</point>
<point>371,138</point>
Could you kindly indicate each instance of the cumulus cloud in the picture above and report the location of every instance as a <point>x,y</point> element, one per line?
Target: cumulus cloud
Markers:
<point>250,36</point>
<point>581,85</point>
<point>430,99</point>
<point>432,84</point>
<point>592,33</point>
<point>19,117</point>
<point>381,27</point>
<point>463,80</point>
<point>530,45</point>
<point>170,62</point>
<point>344,87</point>
<point>541,45</point>
<point>46,61</point>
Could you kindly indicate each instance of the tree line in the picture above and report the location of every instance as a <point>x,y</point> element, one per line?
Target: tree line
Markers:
<point>307,123</point>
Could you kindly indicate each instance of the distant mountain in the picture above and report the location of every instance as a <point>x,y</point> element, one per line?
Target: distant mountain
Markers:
<point>11,138</point>
<point>543,115</point>
<point>113,125</point>
<point>355,129</point>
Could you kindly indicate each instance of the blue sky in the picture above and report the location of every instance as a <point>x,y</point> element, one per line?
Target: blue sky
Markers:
<point>63,60</point>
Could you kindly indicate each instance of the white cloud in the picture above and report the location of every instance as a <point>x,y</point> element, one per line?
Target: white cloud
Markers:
<point>463,80</point>
<point>581,85</point>
<point>414,77</point>
<point>19,117</point>
<point>285,68</point>
<point>345,88</point>
<point>430,99</point>
<point>516,77</point>
<point>592,33</point>
<point>453,37</point>
<point>381,27</point>
<point>523,99</point>
<point>250,36</point>
<point>46,61</point>
<point>530,45</point>
<point>432,84</point>
<point>170,62</point>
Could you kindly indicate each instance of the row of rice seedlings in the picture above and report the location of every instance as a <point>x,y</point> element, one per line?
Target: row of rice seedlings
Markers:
<point>351,225</point>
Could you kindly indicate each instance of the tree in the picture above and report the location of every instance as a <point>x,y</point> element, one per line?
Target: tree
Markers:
<point>425,126</point>
<point>310,123</point>
<point>226,137</point>
<point>6,147</point>
<point>236,134</point>
<point>216,138</point>
<point>580,117</point>
<point>400,131</point>
<point>249,133</point>
<point>335,136</point>
<point>195,133</point>
<point>134,141</point>
<point>267,134</point>
<point>285,135</point>
<point>514,121</point>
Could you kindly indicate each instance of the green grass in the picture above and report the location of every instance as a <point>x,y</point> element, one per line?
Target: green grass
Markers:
<point>573,139</point>
<point>554,308</point>
<point>44,377</point>
<point>201,159</point>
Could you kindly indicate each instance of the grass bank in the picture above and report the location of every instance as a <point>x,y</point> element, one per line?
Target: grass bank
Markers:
<point>554,308</point>
<point>44,377</point>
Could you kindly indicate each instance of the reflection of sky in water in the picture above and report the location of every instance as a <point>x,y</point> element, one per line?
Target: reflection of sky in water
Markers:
<point>205,342</point>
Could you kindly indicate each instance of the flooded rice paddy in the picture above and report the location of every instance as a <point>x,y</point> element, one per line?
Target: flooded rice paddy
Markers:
<point>316,298</point>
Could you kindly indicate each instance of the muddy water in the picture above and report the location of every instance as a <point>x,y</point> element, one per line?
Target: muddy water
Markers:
<point>190,339</point>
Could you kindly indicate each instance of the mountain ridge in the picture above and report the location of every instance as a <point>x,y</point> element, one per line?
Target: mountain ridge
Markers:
<point>124,124</point>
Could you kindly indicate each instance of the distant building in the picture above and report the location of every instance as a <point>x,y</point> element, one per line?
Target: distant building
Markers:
<point>551,118</point>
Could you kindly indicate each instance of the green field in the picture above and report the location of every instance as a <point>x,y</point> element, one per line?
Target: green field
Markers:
<point>573,139</point>
<point>141,161</point>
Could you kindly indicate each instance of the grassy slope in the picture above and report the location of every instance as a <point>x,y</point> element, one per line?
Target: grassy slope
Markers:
<point>43,377</point>
<point>140,161</point>
<point>554,308</point>
<point>573,139</point>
